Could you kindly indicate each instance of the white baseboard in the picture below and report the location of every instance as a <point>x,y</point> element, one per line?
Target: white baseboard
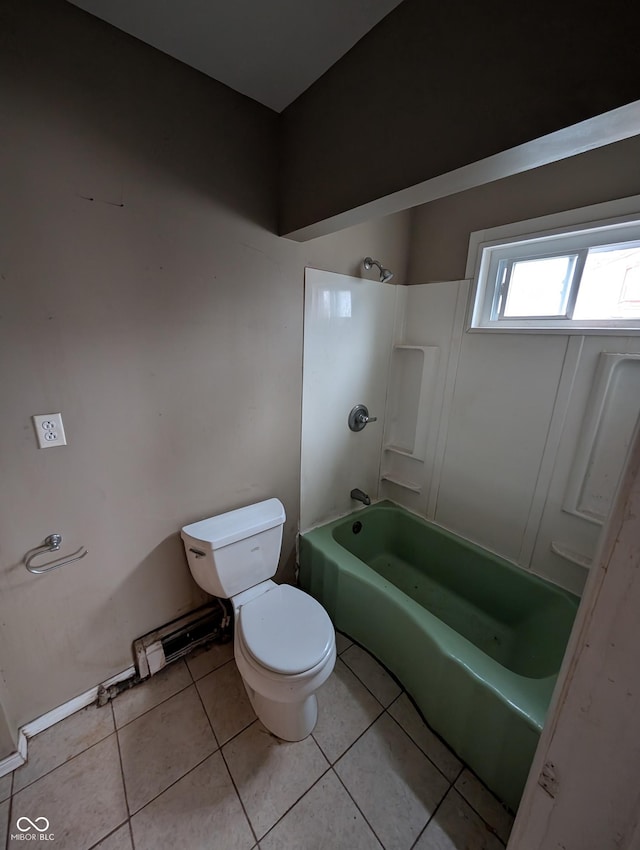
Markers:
<point>17,759</point>
<point>27,731</point>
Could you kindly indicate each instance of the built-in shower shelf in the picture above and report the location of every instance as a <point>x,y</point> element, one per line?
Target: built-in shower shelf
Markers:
<point>401,347</point>
<point>569,555</point>
<point>408,485</point>
<point>607,432</point>
<point>399,450</point>
<point>414,370</point>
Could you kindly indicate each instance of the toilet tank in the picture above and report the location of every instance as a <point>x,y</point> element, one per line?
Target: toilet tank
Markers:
<point>236,550</point>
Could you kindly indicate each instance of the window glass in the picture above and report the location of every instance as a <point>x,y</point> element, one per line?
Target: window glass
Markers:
<point>610,284</point>
<point>539,287</point>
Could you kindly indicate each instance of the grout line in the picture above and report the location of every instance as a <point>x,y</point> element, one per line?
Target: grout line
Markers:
<point>215,669</point>
<point>295,803</point>
<point>224,760</point>
<point>133,843</point>
<point>109,834</point>
<point>486,823</point>
<point>241,801</point>
<point>9,817</point>
<point>62,763</point>
<point>446,778</point>
<point>209,672</point>
<point>146,711</point>
<point>432,816</point>
<point>219,748</point>
<point>363,684</point>
<point>453,782</point>
<point>357,807</point>
<point>9,810</point>
<point>346,647</point>
<point>391,675</point>
<point>186,664</point>
<point>375,719</point>
<point>215,750</point>
<point>132,814</point>
<point>355,741</point>
<point>463,766</point>
<point>237,734</point>
<point>385,710</point>
<point>175,782</point>
<point>433,732</point>
<point>124,784</point>
<point>426,755</point>
<point>473,808</point>
<point>206,714</point>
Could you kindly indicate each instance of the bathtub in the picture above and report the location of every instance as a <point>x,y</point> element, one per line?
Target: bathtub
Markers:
<point>476,641</point>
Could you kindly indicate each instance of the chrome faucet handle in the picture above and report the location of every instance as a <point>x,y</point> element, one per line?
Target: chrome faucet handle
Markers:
<point>366,419</point>
<point>359,417</point>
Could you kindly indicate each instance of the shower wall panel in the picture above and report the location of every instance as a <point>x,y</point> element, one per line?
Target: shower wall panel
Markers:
<point>348,337</point>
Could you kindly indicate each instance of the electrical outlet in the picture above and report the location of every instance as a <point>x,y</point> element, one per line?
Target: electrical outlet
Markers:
<point>49,430</point>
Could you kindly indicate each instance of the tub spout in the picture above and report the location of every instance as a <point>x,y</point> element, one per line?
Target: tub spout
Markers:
<point>359,496</point>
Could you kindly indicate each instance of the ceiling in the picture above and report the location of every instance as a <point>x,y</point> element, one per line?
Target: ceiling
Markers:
<point>269,50</point>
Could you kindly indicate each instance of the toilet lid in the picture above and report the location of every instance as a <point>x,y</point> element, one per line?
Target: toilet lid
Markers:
<point>286,630</point>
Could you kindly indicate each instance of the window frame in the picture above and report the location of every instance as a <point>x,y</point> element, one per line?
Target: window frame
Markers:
<point>572,232</point>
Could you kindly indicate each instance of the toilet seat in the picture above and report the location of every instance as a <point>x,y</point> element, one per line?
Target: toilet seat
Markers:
<point>285,631</point>
<point>284,643</point>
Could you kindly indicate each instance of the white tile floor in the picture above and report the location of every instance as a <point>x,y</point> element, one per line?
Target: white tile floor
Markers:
<point>181,763</point>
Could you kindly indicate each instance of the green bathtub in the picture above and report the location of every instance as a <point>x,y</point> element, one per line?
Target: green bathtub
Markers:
<point>475,640</point>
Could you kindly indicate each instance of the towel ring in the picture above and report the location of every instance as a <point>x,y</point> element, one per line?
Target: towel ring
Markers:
<point>51,544</point>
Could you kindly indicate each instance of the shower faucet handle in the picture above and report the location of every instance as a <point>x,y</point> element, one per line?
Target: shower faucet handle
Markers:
<point>359,417</point>
<point>366,419</point>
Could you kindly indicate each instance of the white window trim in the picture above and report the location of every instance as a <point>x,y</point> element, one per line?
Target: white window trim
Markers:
<point>618,213</point>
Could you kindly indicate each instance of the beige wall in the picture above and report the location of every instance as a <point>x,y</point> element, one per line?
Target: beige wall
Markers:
<point>144,295</point>
<point>441,229</point>
<point>436,86</point>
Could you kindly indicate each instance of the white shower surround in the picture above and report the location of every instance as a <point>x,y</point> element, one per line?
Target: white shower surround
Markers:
<point>501,424</point>
<point>349,327</point>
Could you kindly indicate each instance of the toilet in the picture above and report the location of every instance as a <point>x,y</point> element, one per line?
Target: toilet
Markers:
<point>284,642</point>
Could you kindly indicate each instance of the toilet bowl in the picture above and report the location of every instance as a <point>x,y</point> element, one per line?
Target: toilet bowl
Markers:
<point>284,641</point>
<point>281,672</point>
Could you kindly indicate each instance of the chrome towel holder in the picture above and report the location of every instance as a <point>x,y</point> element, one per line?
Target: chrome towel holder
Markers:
<point>51,544</point>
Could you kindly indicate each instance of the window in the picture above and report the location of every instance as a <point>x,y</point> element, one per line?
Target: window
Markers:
<point>569,280</point>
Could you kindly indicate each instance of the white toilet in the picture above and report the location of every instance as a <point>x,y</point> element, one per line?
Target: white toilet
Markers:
<point>284,644</point>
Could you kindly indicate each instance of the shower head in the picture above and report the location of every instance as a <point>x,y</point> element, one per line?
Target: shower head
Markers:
<point>385,274</point>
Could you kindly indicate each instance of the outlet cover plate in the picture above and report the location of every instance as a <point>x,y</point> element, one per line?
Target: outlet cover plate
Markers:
<point>49,430</point>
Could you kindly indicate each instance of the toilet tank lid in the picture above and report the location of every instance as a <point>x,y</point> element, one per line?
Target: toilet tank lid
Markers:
<point>227,528</point>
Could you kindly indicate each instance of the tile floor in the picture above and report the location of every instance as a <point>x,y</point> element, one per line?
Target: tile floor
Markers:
<point>181,763</point>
